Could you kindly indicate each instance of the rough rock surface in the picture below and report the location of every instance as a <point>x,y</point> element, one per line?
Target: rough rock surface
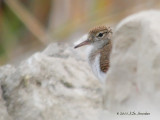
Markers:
<point>133,82</point>
<point>51,85</point>
<point>57,84</point>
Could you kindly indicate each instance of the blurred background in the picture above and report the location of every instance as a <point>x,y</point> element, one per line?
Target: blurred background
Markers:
<point>27,26</point>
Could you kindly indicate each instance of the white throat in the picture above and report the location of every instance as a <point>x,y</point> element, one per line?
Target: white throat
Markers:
<point>95,64</point>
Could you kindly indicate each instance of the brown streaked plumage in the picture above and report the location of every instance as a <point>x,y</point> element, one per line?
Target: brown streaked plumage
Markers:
<point>99,56</point>
<point>99,28</point>
<point>105,57</point>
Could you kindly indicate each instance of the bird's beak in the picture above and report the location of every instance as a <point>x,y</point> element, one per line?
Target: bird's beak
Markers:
<point>86,42</point>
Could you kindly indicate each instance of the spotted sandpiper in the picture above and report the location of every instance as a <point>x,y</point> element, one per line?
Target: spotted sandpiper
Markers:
<point>99,43</point>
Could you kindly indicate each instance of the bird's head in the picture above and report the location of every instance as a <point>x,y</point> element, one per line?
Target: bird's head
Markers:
<point>97,36</point>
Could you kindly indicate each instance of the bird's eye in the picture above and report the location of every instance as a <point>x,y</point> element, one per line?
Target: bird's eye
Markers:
<point>100,35</point>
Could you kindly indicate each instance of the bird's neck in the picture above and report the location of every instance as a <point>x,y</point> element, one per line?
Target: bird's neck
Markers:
<point>103,53</point>
<point>99,50</point>
<point>99,60</point>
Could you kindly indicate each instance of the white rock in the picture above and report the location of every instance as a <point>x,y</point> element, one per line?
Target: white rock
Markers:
<point>133,82</point>
<point>52,85</point>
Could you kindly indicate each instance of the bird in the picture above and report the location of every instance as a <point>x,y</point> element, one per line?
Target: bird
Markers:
<point>99,41</point>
